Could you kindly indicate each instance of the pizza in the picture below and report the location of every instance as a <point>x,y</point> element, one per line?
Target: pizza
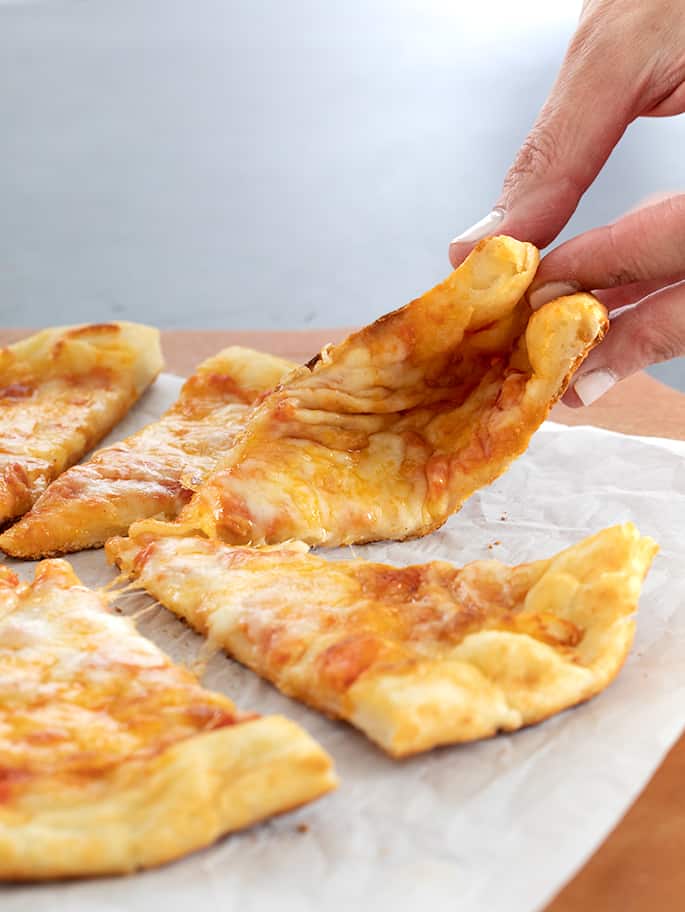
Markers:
<point>415,656</point>
<point>112,758</point>
<point>153,472</point>
<point>386,434</point>
<point>61,391</point>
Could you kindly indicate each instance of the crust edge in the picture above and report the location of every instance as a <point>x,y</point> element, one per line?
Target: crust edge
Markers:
<point>146,814</point>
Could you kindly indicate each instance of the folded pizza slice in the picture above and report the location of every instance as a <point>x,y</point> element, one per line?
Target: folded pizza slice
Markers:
<point>61,391</point>
<point>142,475</point>
<point>386,434</point>
<point>112,758</point>
<point>415,656</point>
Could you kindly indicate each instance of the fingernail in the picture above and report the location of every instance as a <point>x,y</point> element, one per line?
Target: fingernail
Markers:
<point>591,386</point>
<point>482,228</point>
<point>549,291</point>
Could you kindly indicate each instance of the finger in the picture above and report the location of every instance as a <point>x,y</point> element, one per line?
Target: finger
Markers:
<point>622,295</point>
<point>626,295</point>
<point>672,104</point>
<point>658,197</point>
<point>644,245</point>
<point>581,122</point>
<point>651,332</point>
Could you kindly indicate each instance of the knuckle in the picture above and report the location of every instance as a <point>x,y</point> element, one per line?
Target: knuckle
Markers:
<point>674,209</point>
<point>661,81</point>
<point>622,275</point>
<point>584,38</point>
<point>622,269</point>
<point>536,156</point>
<point>653,342</point>
<point>594,45</point>
<point>540,161</point>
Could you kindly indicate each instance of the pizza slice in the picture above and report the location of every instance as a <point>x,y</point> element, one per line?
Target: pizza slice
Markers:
<point>415,656</point>
<point>61,391</point>
<point>112,758</point>
<point>141,476</point>
<point>386,434</point>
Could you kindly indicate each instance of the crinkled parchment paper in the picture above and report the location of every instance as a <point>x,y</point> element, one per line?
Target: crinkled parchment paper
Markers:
<point>497,825</point>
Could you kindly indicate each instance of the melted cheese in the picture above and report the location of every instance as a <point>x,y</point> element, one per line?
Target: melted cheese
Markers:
<point>61,391</point>
<point>113,758</point>
<point>81,690</point>
<point>367,641</point>
<point>153,472</point>
<point>385,435</point>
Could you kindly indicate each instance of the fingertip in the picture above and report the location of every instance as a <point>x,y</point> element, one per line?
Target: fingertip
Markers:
<point>571,399</point>
<point>458,253</point>
<point>463,243</point>
<point>550,291</point>
<point>594,384</point>
<point>482,228</point>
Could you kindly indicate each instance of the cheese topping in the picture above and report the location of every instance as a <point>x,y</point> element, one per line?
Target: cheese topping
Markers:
<point>522,641</point>
<point>80,690</point>
<point>153,472</point>
<point>385,435</point>
<point>61,391</point>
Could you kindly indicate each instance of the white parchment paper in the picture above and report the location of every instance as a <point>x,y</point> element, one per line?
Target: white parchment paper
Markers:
<point>498,825</point>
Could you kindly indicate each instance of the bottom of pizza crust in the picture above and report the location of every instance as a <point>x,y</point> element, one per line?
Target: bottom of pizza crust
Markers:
<point>112,758</point>
<point>417,656</point>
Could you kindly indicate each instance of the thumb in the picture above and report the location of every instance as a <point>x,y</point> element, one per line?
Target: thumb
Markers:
<point>648,333</point>
<point>575,132</point>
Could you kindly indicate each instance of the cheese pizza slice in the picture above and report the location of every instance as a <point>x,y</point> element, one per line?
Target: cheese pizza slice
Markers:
<point>61,391</point>
<point>112,758</point>
<point>141,476</point>
<point>415,656</point>
<point>386,434</point>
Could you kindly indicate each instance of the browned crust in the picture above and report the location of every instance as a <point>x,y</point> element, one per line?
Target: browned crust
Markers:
<point>191,778</point>
<point>531,640</point>
<point>434,385</point>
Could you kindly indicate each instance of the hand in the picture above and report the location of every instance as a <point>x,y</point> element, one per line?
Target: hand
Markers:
<point>626,60</point>
<point>638,263</point>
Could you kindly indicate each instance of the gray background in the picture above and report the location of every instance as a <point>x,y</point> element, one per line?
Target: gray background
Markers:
<point>270,163</point>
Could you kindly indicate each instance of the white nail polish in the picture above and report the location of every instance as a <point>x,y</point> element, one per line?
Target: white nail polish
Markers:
<point>549,292</point>
<point>591,386</point>
<point>481,229</point>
